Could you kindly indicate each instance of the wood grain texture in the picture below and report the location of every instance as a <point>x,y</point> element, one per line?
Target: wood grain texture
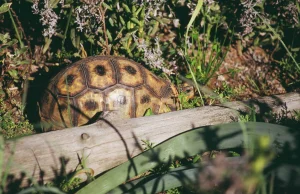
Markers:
<point>105,145</point>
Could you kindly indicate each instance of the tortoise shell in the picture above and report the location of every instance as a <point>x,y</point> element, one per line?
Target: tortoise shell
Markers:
<point>103,84</point>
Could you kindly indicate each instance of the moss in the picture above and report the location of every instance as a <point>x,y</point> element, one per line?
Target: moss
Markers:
<point>12,121</point>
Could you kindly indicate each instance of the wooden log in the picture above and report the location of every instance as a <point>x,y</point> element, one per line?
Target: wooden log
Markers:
<point>104,145</point>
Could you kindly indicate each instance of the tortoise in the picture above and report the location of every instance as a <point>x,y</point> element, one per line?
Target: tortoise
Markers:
<point>103,84</point>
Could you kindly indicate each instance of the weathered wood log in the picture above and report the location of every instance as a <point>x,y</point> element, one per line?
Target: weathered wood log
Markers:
<point>104,145</point>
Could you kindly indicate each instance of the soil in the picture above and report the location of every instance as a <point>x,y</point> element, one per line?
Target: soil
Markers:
<point>252,73</point>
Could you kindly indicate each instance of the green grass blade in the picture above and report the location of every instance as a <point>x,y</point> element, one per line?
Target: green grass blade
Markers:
<point>223,136</point>
<point>194,15</point>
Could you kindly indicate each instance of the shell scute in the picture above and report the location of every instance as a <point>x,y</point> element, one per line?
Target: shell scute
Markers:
<point>130,73</point>
<point>100,74</point>
<point>72,82</point>
<point>119,99</point>
<point>157,85</point>
<point>63,112</point>
<point>88,105</point>
<point>144,100</point>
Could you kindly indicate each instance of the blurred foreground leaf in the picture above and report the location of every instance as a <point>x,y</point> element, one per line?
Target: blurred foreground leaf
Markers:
<point>225,136</point>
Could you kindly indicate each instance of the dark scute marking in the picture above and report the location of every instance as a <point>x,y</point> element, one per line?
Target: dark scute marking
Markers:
<point>130,70</point>
<point>145,99</point>
<point>70,79</point>
<point>100,70</point>
<point>91,105</point>
<point>63,107</point>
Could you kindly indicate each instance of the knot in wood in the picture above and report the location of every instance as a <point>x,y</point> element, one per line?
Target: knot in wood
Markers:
<point>85,136</point>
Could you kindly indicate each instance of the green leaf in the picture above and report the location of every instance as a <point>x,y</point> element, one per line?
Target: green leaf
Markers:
<point>196,158</point>
<point>295,49</point>
<point>122,20</point>
<point>109,35</point>
<point>46,45</point>
<point>5,7</point>
<point>154,29</point>
<point>111,21</point>
<point>235,154</point>
<point>126,8</point>
<point>128,25</point>
<point>134,10</point>
<point>189,76</point>
<point>4,38</point>
<point>160,183</point>
<point>107,6</point>
<point>21,51</point>
<point>191,143</point>
<point>148,112</point>
<point>132,47</point>
<point>125,39</point>
<point>12,42</point>
<point>136,21</point>
<point>24,62</point>
<point>73,37</point>
<point>138,11</point>
<point>132,31</point>
<point>90,38</point>
<point>77,42</point>
<point>13,73</point>
<point>41,189</point>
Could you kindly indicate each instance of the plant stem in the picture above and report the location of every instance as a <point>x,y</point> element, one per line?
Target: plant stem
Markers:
<point>287,50</point>
<point>104,30</point>
<point>67,27</point>
<point>194,15</point>
<point>15,27</point>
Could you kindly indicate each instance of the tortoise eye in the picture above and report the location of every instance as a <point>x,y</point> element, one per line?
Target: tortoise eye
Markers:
<point>100,70</point>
